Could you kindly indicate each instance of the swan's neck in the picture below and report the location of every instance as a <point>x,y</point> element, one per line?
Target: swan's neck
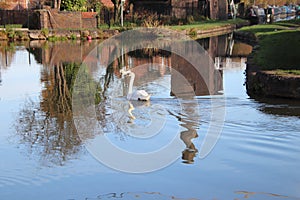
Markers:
<point>132,76</point>
<point>131,108</point>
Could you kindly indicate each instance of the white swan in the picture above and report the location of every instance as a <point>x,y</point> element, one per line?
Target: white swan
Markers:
<point>138,95</point>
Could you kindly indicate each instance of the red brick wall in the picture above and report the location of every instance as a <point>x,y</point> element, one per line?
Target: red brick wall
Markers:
<point>89,23</point>
<point>54,19</point>
<point>15,5</point>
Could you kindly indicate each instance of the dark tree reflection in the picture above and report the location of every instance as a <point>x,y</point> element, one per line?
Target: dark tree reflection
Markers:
<point>7,53</point>
<point>47,127</point>
<point>51,136</point>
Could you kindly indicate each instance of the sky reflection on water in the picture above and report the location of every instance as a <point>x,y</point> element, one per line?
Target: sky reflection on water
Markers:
<point>257,156</point>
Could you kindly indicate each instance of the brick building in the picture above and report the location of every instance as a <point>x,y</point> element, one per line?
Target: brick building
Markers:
<point>215,9</point>
<point>14,4</point>
<point>107,3</point>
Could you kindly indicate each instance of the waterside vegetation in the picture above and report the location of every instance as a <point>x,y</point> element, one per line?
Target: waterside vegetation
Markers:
<point>273,67</point>
<point>278,45</point>
<point>208,24</point>
<point>193,28</point>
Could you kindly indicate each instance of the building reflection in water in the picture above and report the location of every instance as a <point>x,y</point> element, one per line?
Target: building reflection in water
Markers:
<point>47,126</point>
<point>150,64</point>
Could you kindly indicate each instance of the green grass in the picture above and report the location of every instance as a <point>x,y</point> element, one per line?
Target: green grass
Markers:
<point>287,72</point>
<point>262,29</point>
<point>207,24</point>
<point>279,45</point>
<point>197,25</point>
<point>11,26</point>
<point>126,26</point>
<point>279,50</point>
<point>293,22</point>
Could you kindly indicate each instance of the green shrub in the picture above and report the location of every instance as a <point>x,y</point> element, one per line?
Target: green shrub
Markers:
<point>73,36</point>
<point>63,38</point>
<point>53,38</point>
<point>10,47</point>
<point>10,33</point>
<point>19,35</point>
<point>45,32</point>
<point>192,32</point>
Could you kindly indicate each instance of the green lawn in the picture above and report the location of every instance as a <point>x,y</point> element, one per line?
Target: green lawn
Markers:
<point>279,50</point>
<point>287,72</point>
<point>263,29</point>
<point>197,25</point>
<point>11,26</point>
<point>279,46</point>
<point>207,24</point>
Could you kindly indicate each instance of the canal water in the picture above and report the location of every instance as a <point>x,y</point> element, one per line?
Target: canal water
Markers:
<point>43,155</point>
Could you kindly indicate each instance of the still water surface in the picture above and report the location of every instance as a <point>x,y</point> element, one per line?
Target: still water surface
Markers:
<point>42,156</point>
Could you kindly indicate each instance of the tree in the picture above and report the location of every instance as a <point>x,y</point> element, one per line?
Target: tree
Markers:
<point>117,10</point>
<point>73,5</point>
<point>94,4</point>
<point>57,4</point>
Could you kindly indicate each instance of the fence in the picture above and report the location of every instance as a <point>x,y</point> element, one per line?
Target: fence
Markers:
<point>15,17</point>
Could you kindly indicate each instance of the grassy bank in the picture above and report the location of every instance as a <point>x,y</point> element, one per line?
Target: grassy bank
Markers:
<point>279,46</point>
<point>11,26</point>
<point>207,24</point>
<point>12,34</point>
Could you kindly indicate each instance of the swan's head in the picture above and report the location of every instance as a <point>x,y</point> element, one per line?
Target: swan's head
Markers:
<point>125,72</point>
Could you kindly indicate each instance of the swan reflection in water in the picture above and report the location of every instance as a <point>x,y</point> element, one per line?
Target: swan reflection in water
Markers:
<point>137,95</point>
<point>129,114</point>
<point>189,119</point>
<point>135,104</point>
